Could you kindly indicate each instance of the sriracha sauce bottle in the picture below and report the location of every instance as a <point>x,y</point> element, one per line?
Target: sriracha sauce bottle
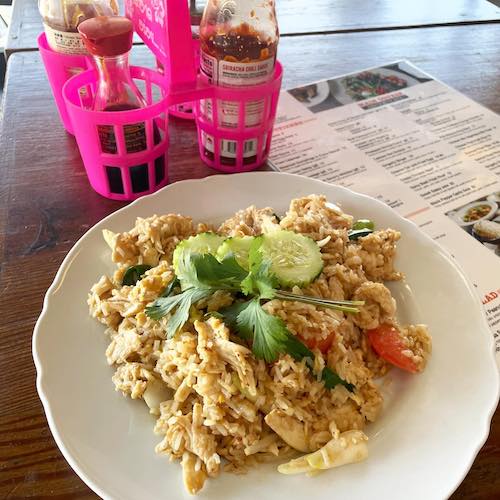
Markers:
<point>238,41</point>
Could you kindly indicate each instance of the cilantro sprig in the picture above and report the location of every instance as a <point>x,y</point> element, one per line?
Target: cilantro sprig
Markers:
<point>270,337</point>
<point>201,275</point>
<point>134,273</point>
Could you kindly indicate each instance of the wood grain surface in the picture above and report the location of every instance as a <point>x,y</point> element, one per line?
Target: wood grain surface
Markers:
<point>307,16</point>
<point>46,204</point>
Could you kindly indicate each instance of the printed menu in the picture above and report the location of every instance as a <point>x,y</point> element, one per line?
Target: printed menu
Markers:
<point>399,135</point>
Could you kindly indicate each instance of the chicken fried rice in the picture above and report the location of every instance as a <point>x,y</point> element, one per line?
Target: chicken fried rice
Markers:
<point>219,406</point>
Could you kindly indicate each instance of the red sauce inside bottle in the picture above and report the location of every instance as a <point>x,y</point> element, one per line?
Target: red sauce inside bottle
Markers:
<point>241,44</point>
<point>135,141</point>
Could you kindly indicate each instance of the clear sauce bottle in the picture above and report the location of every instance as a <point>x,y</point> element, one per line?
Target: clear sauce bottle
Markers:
<point>239,42</point>
<point>109,41</point>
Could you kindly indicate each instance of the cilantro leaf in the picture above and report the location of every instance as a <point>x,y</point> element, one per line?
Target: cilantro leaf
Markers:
<point>184,268</point>
<point>260,280</point>
<point>225,275</point>
<point>163,305</point>
<point>204,270</point>
<point>183,302</point>
<point>268,332</point>
<point>271,337</point>
<point>331,379</point>
<point>299,351</point>
<point>230,315</point>
<point>169,289</point>
<point>134,273</point>
<point>181,315</point>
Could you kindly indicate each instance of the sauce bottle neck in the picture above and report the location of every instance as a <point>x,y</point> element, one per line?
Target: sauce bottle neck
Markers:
<point>116,91</point>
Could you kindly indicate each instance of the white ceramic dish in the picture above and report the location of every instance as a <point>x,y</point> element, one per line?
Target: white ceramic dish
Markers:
<point>322,93</point>
<point>460,213</point>
<point>432,426</point>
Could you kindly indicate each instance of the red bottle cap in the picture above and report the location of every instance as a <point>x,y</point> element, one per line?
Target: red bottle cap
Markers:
<point>107,36</point>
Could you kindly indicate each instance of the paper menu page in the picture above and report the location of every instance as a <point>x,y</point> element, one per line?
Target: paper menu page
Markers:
<point>428,151</point>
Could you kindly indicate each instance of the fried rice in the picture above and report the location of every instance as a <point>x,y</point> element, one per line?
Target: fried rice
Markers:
<point>216,405</point>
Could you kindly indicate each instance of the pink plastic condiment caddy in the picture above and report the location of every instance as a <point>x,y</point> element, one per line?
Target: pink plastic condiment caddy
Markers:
<point>165,29</point>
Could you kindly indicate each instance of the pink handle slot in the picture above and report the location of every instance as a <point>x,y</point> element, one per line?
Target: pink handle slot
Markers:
<point>60,68</point>
<point>185,110</point>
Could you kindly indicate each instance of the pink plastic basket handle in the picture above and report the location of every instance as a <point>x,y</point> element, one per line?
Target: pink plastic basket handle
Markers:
<point>165,28</point>
<point>180,49</point>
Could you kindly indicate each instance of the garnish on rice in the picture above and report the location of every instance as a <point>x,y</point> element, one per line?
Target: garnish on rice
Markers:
<point>202,274</point>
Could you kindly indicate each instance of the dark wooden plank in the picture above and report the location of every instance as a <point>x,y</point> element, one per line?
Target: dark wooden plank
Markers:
<point>305,16</point>
<point>26,25</point>
<point>46,204</point>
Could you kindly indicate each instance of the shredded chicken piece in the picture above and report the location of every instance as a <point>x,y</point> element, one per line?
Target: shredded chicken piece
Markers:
<point>234,354</point>
<point>187,432</point>
<point>248,222</point>
<point>315,217</point>
<point>289,429</point>
<point>193,473</point>
<point>380,307</point>
<point>377,252</point>
<point>125,343</point>
<point>132,379</point>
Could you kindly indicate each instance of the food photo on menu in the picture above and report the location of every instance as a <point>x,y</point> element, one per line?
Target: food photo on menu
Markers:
<point>481,219</point>
<point>357,87</point>
<point>273,254</point>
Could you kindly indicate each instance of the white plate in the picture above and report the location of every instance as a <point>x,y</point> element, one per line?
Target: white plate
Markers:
<point>432,426</point>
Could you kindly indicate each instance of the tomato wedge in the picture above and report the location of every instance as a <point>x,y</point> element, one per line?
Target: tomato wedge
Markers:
<point>386,341</point>
<point>323,345</point>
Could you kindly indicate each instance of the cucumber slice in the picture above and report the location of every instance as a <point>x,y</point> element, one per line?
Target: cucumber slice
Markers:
<point>295,258</point>
<point>201,243</point>
<point>239,246</point>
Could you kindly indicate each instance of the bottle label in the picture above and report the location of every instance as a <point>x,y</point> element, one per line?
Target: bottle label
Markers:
<point>135,138</point>
<point>65,42</point>
<point>234,74</point>
<point>228,148</point>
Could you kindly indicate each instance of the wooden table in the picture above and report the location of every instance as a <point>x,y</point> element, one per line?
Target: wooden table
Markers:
<point>309,16</point>
<point>47,204</point>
